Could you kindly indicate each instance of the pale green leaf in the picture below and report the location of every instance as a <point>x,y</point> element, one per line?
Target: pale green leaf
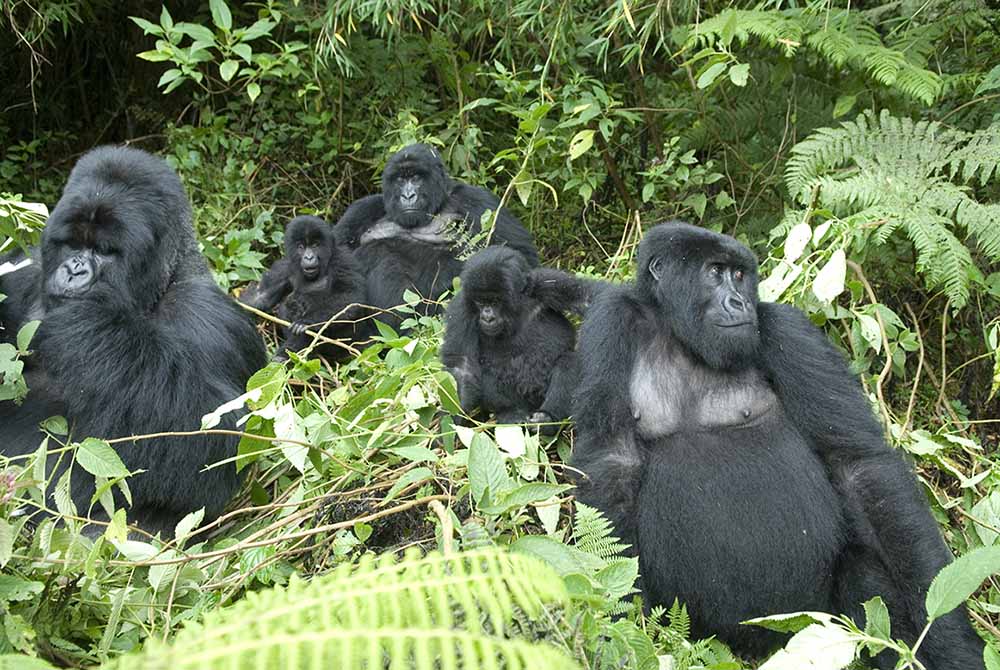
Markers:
<point>221,16</point>
<point>959,580</point>
<point>98,458</point>
<point>830,280</point>
<point>581,144</point>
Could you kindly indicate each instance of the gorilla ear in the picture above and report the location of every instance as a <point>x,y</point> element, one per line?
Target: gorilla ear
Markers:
<point>656,267</point>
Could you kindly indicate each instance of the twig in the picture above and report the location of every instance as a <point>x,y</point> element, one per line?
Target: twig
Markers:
<point>916,378</point>
<point>887,368</point>
<point>447,527</point>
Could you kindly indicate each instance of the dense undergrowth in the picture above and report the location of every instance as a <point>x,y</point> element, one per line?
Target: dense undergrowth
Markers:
<point>855,149</point>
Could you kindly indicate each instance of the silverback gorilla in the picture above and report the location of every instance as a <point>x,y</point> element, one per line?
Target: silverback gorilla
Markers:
<point>410,235</point>
<point>136,338</point>
<point>731,447</point>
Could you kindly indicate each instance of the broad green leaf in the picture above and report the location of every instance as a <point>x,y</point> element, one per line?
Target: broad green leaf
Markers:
<point>166,20</point>
<point>797,241</point>
<point>710,74</point>
<point>870,331</point>
<point>161,576</point>
<point>147,27</point>
<point>487,469</point>
<point>990,655</point>
<point>564,558</point>
<point>738,74</point>
<point>877,619</point>
<point>196,32</point>
<point>169,76</point>
<point>258,29</point>
<point>137,551</point>
<point>227,69</point>
<point>959,580</point>
<point>697,201</point>
<point>581,144</point>
<point>816,647</point>
<point>188,524</point>
<point>844,104</point>
<point>154,56</point>
<point>253,90</point>
<point>99,459</point>
<point>791,622</point>
<point>6,542</point>
<point>25,334</point>
<point>829,281</point>
<point>221,15</point>
<point>523,495</point>
<point>987,510</point>
<point>510,439</point>
<point>409,477</point>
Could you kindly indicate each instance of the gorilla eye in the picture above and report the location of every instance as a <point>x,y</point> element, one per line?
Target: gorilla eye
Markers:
<point>738,275</point>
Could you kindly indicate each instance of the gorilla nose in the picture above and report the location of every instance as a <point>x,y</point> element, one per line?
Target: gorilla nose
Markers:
<point>77,266</point>
<point>408,198</point>
<point>735,304</point>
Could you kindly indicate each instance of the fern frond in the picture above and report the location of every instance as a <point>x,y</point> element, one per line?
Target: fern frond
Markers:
<point>980,155</point>
<point>431,612</point>
<point>593,533</point>
<point>942,258</point>
<point>839,37</point>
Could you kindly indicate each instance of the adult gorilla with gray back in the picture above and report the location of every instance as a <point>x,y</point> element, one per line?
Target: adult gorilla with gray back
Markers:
<point>136,338</point>
<point>414,234</point>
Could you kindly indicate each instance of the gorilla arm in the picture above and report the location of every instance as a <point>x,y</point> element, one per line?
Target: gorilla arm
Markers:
<point>272,288</point>
<point>561,291</point>
<point>888,514</point>
<point>606,448</point>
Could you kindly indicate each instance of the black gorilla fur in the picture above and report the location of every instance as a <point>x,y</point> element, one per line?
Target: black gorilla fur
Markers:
<point>135,338</point>
<point>731,446</point>
<point>511,354</point>
<point>315,281</point>
<point>405,236</point>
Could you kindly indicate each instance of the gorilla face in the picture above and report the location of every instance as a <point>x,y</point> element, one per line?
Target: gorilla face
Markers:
<point>118,232</point>
<point>309,245</point>
<point>415,186</point>
<point>493,283</point>
<point>707,292</point>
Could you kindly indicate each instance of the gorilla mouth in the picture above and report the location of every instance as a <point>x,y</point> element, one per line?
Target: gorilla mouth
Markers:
<point>735,325</point>
<point>310,273</point>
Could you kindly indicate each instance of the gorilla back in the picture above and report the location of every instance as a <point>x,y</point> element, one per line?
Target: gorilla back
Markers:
<point>136,338</point>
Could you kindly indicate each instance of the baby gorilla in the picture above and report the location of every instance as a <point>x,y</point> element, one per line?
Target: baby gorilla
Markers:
<point>314,282</point>
<point>511,353</point>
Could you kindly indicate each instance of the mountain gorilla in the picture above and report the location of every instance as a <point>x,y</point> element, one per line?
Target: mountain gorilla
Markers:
<point>510,353</point>
<point>412,235</point>
<point>314,282</point>
<point>732,448</point>
<point>135,338</point>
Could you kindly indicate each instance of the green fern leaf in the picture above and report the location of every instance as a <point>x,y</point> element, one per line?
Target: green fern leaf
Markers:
<point>435,612</point>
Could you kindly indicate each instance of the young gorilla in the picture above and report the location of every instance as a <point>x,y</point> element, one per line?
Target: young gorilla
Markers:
<point>510,354</point>
<point>731,446</point>
<point>409,237</point>
<point>316,280</point>
<point>135,338</point>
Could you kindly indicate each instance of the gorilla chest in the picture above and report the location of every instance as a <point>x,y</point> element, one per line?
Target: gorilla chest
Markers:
<point>671,393</point>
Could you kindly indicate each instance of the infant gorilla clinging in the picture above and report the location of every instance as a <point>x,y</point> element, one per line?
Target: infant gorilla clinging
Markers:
<point>507,343</point>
